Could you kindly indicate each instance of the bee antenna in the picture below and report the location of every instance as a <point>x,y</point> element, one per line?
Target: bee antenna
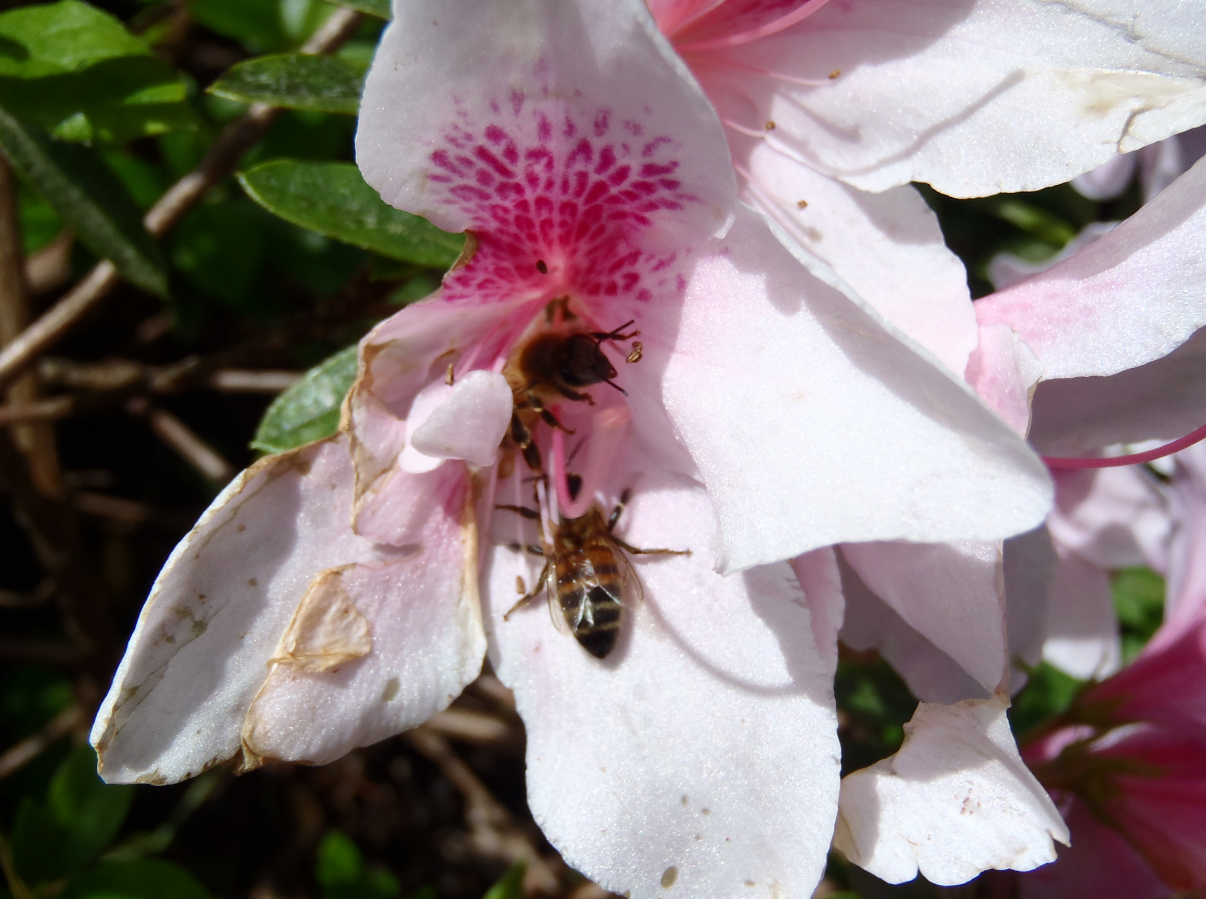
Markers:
<point>615,385</point>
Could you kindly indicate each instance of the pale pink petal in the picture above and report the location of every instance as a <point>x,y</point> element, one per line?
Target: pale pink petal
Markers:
<point>1030,565</point>
<point>396,507</point>
<point>870,623</point>
<point>1112,517</point>
<point>217,612</point>
<point>671,15</point>
<point>1100,864</point>
<point>974,99</point>
<point>949,593</point>
<point>821,581</point>
<point>1160,164</point>
<point>1082,628</point>
<point>1163,400</point>
<point>1186,591</point>
<point>1108,180</point>
<point>1006,269</point>
<point>416,641</point>
<point>1121,302</point>
<point>887,247</point>
<point>583,90</point>
<point>812,425</point>
<point>956,799</point>
<point>1004,372</point>
<point>471,421</point>
<point>741,21</point>
<point>700,757</point>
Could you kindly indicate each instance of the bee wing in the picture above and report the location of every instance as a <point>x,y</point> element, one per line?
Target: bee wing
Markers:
<point>550,592</point>
<point>629,579</point>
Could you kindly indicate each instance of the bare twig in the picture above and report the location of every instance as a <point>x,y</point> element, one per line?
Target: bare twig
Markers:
<point>52,652</point>
<point>50,267</point>
<point>42,410</point>
<point>184,440</point>
<point>114,508</point>
<point>233,380</point>
<point>35,439</point>
<point>492,828</point>
<point>11,599</point>
<point>31,747</point>
<point>221,160</point>
<point>472,727</point>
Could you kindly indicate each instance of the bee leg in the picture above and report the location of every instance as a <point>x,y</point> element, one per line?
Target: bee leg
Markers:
<point>546,416</point>
<point>619,509</point>
<point>524,600</point>
<point>627,547</point>
<point>530,514</point>
<point>575,395</point>
<point>523,438</point>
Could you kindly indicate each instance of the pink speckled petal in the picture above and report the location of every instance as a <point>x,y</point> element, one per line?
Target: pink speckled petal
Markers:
<point>955,800</point>
<point>813,425</point>
<point>574,126</point>
<point>218,609</point>
<point>695,754</point>
<point>974,98</point>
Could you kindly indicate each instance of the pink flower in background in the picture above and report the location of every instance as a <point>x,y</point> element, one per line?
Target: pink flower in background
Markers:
<point>346,591</point>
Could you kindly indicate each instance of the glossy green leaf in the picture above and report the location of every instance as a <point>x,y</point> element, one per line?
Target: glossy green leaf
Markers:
<point>1139,603</point>
<point>333,199</point>
<point>78,73</point>
<point>143,879</point>
<point>262,25</point>
<point>295,81</point>
<point>378,8</point>
<point>81,816</point>
<point>89,198</point>
<point>309,410</point>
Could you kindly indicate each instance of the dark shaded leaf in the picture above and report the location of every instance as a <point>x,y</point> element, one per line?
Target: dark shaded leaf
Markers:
<point>510,885</point>
<point>76,72</point>
<point>308,411</point>
<point>333,199</point>
<point>1048,692</point>
<point>89,198</point>
<point>262,25</point>
<point>341,871</point>
<point>378,8</point>
<point>295,81</point>
<point>220,249</point>
<point>81,816</point>
<point>144,879</point>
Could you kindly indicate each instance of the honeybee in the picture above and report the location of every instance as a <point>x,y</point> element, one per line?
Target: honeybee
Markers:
<point>557,364</point>
<point>588,574</point>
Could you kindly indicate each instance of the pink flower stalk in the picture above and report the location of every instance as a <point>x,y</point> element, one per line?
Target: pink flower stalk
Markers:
<point>346,591</point>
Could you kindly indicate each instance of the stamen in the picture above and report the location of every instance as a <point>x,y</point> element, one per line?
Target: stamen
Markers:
<point>801,12</point>
<point>1134,459</point>
<point>779,76</point>
<point>741,129</point>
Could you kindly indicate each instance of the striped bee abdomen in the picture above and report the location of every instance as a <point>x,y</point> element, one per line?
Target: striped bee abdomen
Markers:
<point>589,590</point>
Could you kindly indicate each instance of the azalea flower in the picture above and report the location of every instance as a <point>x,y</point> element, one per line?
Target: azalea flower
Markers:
<point>346,591</point>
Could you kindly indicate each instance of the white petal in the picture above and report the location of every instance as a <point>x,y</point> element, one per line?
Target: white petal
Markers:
<point>1131,297</point>
<point>457,85</point>
<point>1082,629</point>
<point>1030,565</point>
<point>870,623</point>
<point>813,425</point>
<point>1112,517</point>
<point>423,643</point>
<point>471,421</point>
<point>699,759</point>
<point>955,800</point>
<point>821,581</point>
<point>1108,180</point>
<point>974,99</point>
<point>1187,559</point>
<point>1162,400</point>
<point>888,247</point>
<point>949,593</point>
<point>1006,270</point>
<point>218,610</point>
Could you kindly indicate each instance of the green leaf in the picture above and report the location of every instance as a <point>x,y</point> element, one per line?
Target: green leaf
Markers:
<point>220,249</point>
<point>309,410</point>
<point>295,81</point>
<point>262,25</point>
<point>144,879</point>
<point>340,869</point>
<point>1048,692</point>
<point>333,199</point>
<point>90,199</point>
<point>1139,603</point>
<point>510,885</point>
<point>378,8</point>
<point>76,72</point>
<point>81,816</point>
